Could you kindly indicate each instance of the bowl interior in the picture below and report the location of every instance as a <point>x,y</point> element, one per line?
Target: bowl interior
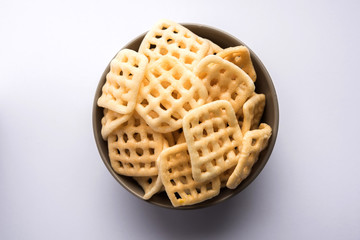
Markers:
<point>263,85</point>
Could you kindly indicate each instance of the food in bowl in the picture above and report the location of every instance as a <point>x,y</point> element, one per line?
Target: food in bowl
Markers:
<point>182,115</point>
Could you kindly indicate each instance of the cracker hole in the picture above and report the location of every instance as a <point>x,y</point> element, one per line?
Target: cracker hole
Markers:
<point>194,49</point>
<point>213,162</point>
<point>236,150</point>
<point>150,136</point>
<point>187,191</point>
<point>146,82</point>
<point>137,122</point>
<point>149,181</point>
<point>166,66</point>
<point>165,84</point>
<point>202,75</point>
<point>142,165</point>
<point>130,165</point>
<point>121,73</point>
<point>199,41</point>
<point>153,114</point>
<point>170,41</point>
<point>203,169</point>
<point>237,59</point>
<point>183,180</point>
<point>214,81</point>
<point>187,106</point>
<point>187,84</point>
<point>125,59</point>
<point>152,165</point>
<point>233,77</point>
<point>163,51</point>
<point>118,151</point>
<point>222,70</point>
<point>170,170</point>
<point>234,95</point>
<point>175,31</point>
<point>253,142</point>
<point>152,151</point>
<point>210,147</point>
<point>198,190</point>
<point>176,75</point>
<point>200,152</point>
<point>177,195</point>
<point>225,157</point>
<point>155,93</point>
<point>231,138</point>
<point>158,36</point>
<point>144,103</point>
<point>175,94</point>
<point>125,137</point>
<point>137,137</point>
<point>175,54</point>
<point>196,96</point>
<point>127,152</point>
<point>139,151</point>
<point>173,182</point>
<point>164,27</point>
<point>188,60</point>
<point>209,186</point>
<point>156,73</point>
<point>186,35</point>
<point>152,47</point>
<point>121,164</point>
<point>182,45</point>
<point>165,104</point>
<point>164,124</point>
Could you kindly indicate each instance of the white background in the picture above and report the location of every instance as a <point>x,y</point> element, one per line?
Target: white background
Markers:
<point>53,184</point>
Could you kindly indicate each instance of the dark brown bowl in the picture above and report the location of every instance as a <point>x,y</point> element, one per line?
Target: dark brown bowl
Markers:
<point>271,116</point>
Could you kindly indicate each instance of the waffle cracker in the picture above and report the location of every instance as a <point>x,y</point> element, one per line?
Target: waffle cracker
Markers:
<point>213,137</point>
<point>134,148</point>
<point>120,90</point>
<point>214,48</point>
<point>111,121</point>
<point>252,112</point>
<point>176,175</point>
<point>240,56</point>
<point>167,93</point>
<point>224,81</point>
<point>254,142</point>
<point>172,39</point>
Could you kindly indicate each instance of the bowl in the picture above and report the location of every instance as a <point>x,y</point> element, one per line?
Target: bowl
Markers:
<point>270,116</point>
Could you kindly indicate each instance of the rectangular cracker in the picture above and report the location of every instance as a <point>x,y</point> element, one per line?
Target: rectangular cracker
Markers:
<point>214,139</point>
<point>176,175</point>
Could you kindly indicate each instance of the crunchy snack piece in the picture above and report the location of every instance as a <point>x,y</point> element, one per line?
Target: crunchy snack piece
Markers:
<point>214,48</point>
<point>240,56</point>
<point>111,121</point>
<point>172,39</point>
<point>254,142</point>
<point>213,137</point>
<point>176,175</point>
<point>224,177</point>
<point>252,112</point>
<point>134,148</point>
<point>224,81</point>
<point>122,82</point>
<point>167,93</point>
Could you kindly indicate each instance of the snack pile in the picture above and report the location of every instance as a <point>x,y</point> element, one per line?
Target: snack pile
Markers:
<point>182,115</point>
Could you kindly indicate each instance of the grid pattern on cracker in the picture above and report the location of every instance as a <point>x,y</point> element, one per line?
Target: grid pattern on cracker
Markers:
<point>213,48</point>
<point>120,90</point>
<point>134,148</point>
<point>176,174</point>
<point>224,81</point>
<point>112,120</point>
<point>167,93</point>
<point>172,39</point>
<point>214,139</point>
<point>254,142</point>
<point>240,56</point>
<point>252,112</point>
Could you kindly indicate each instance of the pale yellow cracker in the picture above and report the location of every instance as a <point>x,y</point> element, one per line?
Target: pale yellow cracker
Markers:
<point>111,121</point>
<point>169,38</point>
<point>176,175</point>
<point>254,142</point>
<point>252,112</point>
<point>214,48</point>
<point>224,81</point>
<point>134,148</point>
<point>120,90</point>
<point>240,56</point>
<point>213,137</point>
<point>167,93</point>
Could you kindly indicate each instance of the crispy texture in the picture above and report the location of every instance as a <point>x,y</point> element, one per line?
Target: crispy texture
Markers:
<point>252,112</point>
<point>172,39</point>
<point>176,175</point>
<point>119,92</point>
<point>213,137</point>
<point>240,56</point>
<point>253,143</point>
<point>134,148</point>
<point>111,121</point>
<point>214,48</point>
<point>167,93</point>
<point>224,81</point>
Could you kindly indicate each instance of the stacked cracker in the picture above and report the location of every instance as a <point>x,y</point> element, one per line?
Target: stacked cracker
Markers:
<point>182,115</point>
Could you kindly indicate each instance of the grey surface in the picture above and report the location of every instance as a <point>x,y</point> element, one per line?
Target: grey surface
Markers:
<point>53,184</point>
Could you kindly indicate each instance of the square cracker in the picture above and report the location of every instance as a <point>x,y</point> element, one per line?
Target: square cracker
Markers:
<point>168,92</point>
<point>240,56</point>
<point>176,175</point>
<point>252,112</point>
<point>134,148</point>
<point>169,38</point>
<point>224,81</point>
<point>214,139</point>
<point>120,90</point>
<point>254,142</point>
<point>111,121</point>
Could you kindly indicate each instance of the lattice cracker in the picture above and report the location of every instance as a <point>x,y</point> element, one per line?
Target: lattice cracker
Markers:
<point>224,81</point>
<point>240,56</point>
<point>213,137</point>
<point>254,142</point>
<point>134,148</point>
<point>176,175</point>
<point>252,112</point>
<point>172,39</point>
<point>167,93</point>
<point>120,90</point>
<point>111,121</point>
<point>214,48</point>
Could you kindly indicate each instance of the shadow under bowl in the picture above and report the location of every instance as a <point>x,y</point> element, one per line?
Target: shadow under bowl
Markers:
<point>270,116</point>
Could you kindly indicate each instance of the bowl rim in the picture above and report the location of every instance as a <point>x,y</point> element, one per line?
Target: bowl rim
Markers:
<point>270,147</point>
